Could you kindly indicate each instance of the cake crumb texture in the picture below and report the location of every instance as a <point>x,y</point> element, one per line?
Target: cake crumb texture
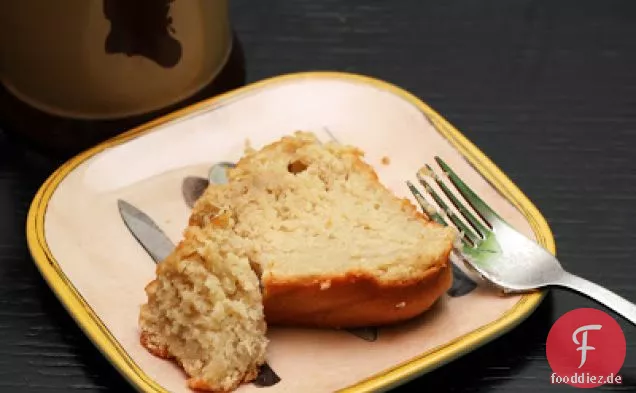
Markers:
<point>205,310</point>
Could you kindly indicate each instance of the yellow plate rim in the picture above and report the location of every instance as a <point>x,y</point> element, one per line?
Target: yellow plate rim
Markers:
<point>97,332</point>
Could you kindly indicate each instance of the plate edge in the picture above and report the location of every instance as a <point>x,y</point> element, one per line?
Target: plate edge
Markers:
<point>90,323</point>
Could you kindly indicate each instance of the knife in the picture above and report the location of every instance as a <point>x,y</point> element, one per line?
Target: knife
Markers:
<point>147,233</point>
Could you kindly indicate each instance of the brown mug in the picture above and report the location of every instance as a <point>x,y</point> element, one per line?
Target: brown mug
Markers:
<point>92,61</point>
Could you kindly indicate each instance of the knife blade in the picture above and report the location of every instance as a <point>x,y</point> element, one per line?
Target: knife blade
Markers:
<point>146,231</point>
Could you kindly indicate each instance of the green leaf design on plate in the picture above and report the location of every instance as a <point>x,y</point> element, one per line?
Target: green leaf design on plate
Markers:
<point>481,255</point>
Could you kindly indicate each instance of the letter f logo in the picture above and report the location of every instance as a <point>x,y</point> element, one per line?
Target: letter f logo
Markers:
<point>584,347</point>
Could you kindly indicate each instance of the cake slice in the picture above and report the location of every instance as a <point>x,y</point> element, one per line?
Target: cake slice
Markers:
<point>329,245</point>
<point>332,246</point>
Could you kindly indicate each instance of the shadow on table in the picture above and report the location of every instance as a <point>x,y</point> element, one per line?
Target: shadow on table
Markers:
<point>628,381</point>
<point>496,362</point>
<point>99,374</point>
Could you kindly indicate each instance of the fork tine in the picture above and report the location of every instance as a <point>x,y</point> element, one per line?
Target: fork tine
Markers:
<point>468,234</point>
<point>479,228</point>
<point>432,212</point>
<point>484,211</point>
<point>427,207</point>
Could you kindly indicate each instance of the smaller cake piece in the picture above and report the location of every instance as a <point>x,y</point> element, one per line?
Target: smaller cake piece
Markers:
<point>205,310</point>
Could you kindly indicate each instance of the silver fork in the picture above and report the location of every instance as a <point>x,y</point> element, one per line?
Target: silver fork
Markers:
<point>498,252</point>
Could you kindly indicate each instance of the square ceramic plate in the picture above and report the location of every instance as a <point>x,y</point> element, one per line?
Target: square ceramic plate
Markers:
<point>98,270</point>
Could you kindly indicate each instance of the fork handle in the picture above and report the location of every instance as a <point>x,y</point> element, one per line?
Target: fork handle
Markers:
<point>602,295</point>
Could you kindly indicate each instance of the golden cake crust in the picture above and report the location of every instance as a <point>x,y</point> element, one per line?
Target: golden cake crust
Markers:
<point>355,300</point>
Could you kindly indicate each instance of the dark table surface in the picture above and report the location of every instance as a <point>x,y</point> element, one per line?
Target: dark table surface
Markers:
<point>547,89</point>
